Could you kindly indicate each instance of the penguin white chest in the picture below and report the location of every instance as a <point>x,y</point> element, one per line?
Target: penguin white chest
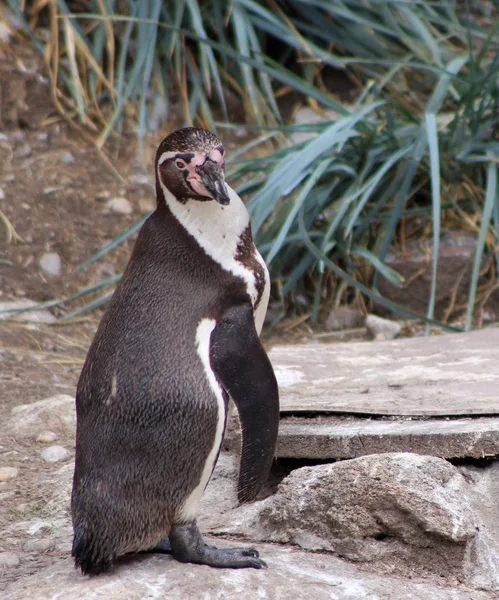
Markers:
<point>224,234</point>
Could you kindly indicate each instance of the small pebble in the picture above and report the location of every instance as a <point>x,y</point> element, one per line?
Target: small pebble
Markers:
<point>46,437</point>
<point>42,545</point>
<point>67,157</point>
<point>2,194</point>
<point>9,559</point>
<point>23,151</point>
<point>17,136</point>
<point>382,329</point>
<point>54,454</point>
<point>159,112</point>
<point>37,526</point>
<point>50,262</point>
<point>43,136</point>
<point>49,190</point>
<point>120,205</point>
<point>64,547</point>
<point>7,473</point>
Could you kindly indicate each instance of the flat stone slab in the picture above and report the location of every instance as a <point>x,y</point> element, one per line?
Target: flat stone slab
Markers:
<point>334,437</point>
<point>292,573</point>
<point>446,375</point>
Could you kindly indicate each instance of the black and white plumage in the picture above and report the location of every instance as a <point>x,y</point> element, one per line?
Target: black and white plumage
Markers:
<point>180,336</point>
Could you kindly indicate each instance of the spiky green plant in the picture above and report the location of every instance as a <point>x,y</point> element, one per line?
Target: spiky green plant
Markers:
<point>420,137</point>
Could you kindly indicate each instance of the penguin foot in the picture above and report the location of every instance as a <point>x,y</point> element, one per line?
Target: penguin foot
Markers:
<point>162,547</point>
<point>187,545</point>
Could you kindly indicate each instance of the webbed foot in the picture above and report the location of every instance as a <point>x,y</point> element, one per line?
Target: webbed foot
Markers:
<point>187,545</point>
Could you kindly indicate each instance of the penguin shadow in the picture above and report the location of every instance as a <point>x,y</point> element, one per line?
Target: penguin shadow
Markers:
<point>132,558</point>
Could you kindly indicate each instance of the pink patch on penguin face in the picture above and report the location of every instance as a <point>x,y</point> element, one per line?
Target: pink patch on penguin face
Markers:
<point>217,156</point>
<point>193,177</point>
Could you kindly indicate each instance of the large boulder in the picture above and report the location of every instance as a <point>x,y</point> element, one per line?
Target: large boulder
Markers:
<point>482,560</point>
<point>407,512</point>
<point>57,413</point>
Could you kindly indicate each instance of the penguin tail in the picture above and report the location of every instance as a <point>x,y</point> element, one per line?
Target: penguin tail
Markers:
<point>88,555</point>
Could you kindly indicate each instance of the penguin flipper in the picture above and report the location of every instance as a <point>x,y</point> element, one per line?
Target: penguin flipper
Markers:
<point>243,368</point>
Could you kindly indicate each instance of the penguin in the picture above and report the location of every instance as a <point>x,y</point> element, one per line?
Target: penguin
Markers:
<point>179,339</point>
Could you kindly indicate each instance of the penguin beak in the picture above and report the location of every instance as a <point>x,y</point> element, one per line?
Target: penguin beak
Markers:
<point>212,177</point>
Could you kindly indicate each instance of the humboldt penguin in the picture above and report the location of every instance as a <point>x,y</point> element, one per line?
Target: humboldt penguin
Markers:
<point>180,337</point>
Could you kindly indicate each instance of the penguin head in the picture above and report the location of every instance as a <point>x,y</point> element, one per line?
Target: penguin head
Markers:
<point>190,165</point>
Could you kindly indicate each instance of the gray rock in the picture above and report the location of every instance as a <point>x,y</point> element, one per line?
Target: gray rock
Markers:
<point>51,263</point>
<point>482,559</point>
<point>54,454</point>
<point>159,112</point>
<point>23,151</point>
<point>382,329</point>
<point>120,205</point>
<point>343,317</point>
<point>2,194</point>
<point>399,507</point>
<point>220,495</point>
<point>307,116</point>
<point>52,413</point>
<point>32,316</point>
<point>17,136</point>
<point>227,467</point>
<point>7,473</point>
<point>67,158</point>
<point>6,496</point>
<point>43,545</point>
<point>8,559</point>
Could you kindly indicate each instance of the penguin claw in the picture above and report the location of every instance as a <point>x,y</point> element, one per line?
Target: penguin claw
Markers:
<point>253,552</point>
<point>234,557</point>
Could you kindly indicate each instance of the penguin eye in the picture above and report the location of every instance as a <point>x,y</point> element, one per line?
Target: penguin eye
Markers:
<point>180,164</point>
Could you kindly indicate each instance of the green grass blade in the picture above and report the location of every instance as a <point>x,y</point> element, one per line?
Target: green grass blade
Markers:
<point>60,301</point>
<point>112,244</point>
<point>431,128</point>
<point>300,199</point>
<point>88,307</point>
<point>491,199</point>
<point>385,271</point>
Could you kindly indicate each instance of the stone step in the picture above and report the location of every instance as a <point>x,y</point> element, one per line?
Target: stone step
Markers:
<point>446,375</point>
<point>336,437</point>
